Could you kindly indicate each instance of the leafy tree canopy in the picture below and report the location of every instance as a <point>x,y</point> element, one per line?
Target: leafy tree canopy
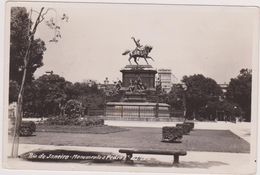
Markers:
<point>239,91</point>
<point>45,95</point>
<point>176,96</point>
<point>199,91</point>
<point>19,37</point>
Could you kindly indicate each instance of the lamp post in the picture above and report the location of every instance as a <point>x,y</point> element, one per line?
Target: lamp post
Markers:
<point>184,101</point>
<point>235,112</point>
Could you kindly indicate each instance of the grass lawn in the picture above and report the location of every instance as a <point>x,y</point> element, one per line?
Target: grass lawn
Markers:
<point>145,138</point>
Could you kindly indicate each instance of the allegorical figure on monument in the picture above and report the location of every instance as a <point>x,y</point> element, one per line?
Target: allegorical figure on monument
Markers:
<point>136,85</point>
<point>139,52</point>
<point>118,85</point>
<point>131,87</point>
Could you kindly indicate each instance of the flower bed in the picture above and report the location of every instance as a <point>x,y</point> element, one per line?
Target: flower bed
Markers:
<point>74,121</point>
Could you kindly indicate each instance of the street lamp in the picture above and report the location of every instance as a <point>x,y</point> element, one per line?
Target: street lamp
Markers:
<point>184,101</point>
<point>235,113</point>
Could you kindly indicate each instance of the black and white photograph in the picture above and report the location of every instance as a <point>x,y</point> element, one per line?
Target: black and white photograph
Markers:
<point>130,87</point>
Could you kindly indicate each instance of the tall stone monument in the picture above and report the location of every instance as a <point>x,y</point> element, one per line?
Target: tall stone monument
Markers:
<point>138,82</point>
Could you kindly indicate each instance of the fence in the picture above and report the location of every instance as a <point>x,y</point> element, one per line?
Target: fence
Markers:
<point>136,110</point>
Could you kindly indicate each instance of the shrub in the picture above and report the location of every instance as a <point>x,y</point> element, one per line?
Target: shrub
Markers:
<point>186,128</point>
<point>73,109</point>
<point>27,128</point>
<point>172,134</point>
<point>191,124</point>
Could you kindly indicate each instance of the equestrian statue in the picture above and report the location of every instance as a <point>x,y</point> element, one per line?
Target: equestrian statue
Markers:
<point>139,52</point>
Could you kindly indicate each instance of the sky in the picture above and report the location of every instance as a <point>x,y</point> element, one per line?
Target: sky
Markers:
<point>215,41</point>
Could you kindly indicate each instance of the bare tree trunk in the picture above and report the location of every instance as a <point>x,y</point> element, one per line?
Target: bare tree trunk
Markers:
<point>18,118</point>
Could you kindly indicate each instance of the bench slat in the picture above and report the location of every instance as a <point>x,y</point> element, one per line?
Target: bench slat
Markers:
<point>183,153</point>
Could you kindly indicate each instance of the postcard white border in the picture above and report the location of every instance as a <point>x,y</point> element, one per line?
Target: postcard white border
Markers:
<point>255,68</point>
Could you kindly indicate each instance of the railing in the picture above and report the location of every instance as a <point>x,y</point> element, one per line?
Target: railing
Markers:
<point>137,111</point>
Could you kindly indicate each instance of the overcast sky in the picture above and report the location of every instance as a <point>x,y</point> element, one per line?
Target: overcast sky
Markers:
<point>213,41</point>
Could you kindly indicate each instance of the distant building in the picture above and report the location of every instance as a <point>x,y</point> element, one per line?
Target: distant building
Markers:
<point>165,77</point>
<point>224,87</point>
<point>90,82</point>
<point>106,81</point>
<point>107,87</point>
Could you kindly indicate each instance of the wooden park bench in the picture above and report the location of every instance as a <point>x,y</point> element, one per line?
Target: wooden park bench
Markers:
<point>129,153</point>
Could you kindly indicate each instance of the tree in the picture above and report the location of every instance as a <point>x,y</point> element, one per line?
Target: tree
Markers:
<point>200,90</point>
<point>89,95</point>
<point>13,91</point>
<point>223,110</point>
<point>19,31</point>
<point>239,91</point>
<point>176,97</point>
<point>28,42</point>
<point>46,95</point>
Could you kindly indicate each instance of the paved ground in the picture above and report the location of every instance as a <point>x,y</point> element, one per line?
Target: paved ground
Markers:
<point>194,162</point>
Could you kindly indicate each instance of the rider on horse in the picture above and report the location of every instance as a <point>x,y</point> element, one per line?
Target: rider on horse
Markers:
<point>139,47</point>
<point>139,52</point>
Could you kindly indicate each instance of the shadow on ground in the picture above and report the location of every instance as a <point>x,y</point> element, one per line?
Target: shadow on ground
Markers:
<point>203,165</point>
<point>156,163</point>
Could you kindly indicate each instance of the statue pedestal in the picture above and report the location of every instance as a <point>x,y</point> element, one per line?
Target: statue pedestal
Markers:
<point>146,73</point>
<point>138,86</point>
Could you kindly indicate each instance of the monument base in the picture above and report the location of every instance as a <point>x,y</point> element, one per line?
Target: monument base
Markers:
<point>137,110</point>
<point>138,91</point>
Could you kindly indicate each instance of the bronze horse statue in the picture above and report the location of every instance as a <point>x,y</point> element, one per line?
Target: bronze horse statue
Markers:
<point>139,53</point>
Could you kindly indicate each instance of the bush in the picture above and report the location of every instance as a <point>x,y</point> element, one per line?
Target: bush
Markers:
<point>27,128</point>
<point>186,128</point>
<point>191,124</point>
<point>73,109</point>
<point>172,134</point>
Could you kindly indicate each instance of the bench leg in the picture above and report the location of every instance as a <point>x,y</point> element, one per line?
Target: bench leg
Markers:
<point>176,159</point>
<point>128,158</point>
